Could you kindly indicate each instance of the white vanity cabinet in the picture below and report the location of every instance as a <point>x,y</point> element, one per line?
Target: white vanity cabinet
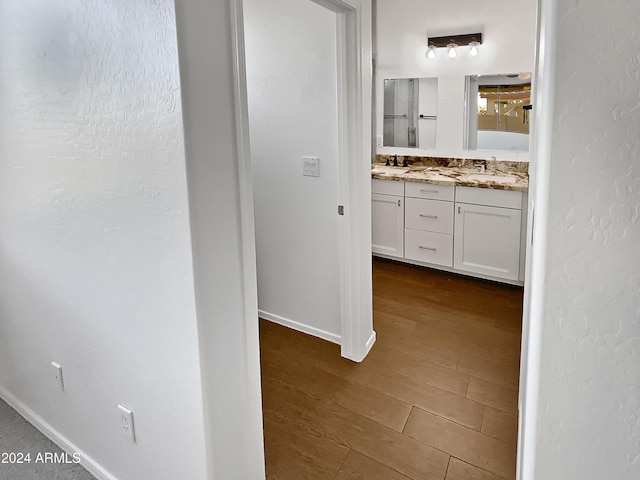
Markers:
<point>428,216</point>
<point>468,230</point>
<point>387,218</point>
<point>488,227</point>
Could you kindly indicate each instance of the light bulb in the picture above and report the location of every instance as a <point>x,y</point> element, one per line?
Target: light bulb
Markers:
<point>452,54</point>
<point>474,49</point>
<point>431,52</point>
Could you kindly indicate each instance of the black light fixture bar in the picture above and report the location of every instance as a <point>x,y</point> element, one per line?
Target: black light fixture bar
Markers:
<point>459,40</point>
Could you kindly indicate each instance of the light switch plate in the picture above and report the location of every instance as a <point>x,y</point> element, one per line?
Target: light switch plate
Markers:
<point>379,140</point>
<point>311,166</point>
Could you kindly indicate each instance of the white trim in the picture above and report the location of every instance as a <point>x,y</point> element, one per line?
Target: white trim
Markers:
<point>93,467</point>
<point>208,179</point>
<point>248,237</point>
<point>344,237</point>
<point>336,6</point>
<point>539,174</point>
<point>245,178</point>
<point>355,236</point>
<point>300,327</point>
<point>371,341</point>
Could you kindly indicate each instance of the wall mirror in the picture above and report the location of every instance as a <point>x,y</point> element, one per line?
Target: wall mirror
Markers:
<point>410,112</point>
<point>498,109</point>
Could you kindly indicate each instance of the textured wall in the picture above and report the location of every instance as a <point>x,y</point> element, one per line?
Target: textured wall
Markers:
<point>95,257</point>
<point>589,399</point>
<point>291,80</point>
<point>508,47</point>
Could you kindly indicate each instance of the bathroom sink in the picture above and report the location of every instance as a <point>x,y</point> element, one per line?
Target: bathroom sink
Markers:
<point>384,170</point>
<point>488,177</point>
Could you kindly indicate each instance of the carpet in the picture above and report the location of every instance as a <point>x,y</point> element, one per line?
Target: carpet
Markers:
<point>45,461</point>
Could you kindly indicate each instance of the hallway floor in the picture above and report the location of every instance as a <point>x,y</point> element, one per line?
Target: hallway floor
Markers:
<point>436,399</point>
<point>17,436</point>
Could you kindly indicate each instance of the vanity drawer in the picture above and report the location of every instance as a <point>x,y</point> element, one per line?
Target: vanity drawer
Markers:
<point>428,247</point>
<point>429,215</point>
<point>489,197</point>
<point>430,191</point>
<point>387,187</point>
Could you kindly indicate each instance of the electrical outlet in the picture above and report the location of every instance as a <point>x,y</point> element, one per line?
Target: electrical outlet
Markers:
<point>57,372</point>
<point>126,423</point>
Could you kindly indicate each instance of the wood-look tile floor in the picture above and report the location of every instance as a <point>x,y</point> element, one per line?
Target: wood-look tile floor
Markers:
<point>436,398</point>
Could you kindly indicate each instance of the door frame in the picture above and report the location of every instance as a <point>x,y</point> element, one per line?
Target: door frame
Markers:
<point>537,221</point>
<point>354,74</point>
<point>355,85</point>
<point>354,82</point>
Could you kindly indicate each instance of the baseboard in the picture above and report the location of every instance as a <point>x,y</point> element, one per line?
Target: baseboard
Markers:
<point>93,467</point>
<point>370,342</point>
<point>300,327</point>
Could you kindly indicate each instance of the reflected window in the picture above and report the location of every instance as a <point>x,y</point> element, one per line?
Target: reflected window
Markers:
<point>498,109</point>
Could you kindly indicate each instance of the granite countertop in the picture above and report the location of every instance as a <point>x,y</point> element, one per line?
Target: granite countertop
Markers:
<point>497,175</point>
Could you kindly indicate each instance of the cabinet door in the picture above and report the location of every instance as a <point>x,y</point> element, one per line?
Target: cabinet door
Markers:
<point>487,240</point>
<point>387,225</point>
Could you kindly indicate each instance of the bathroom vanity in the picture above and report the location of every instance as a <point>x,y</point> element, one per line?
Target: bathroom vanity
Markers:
<point>452,215</point>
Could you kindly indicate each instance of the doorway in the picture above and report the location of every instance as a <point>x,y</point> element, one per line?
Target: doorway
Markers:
<point>306,87</point>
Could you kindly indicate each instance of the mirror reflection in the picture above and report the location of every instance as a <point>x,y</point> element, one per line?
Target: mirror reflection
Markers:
<point>498,110</point>
<point>410,112</point>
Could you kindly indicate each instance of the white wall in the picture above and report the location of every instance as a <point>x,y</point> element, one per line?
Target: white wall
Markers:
<point>292,86</point>
<point>588,287</point>
<point>427,106</point>
<point>403,26</point>
<point>95,255</point>
<point>221,207</point>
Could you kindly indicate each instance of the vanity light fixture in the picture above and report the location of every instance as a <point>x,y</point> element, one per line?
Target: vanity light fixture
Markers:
<point>473,51</point>
<point>431,52</point>
<point>473,40</point>
<point>452,54</point>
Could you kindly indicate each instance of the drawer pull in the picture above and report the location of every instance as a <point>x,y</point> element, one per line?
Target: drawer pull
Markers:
<point>428,191</point>
<point>428,216</point>
<point>427,248</point>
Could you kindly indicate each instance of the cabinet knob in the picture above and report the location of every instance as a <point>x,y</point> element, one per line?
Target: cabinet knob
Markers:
<point>399,202</point>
